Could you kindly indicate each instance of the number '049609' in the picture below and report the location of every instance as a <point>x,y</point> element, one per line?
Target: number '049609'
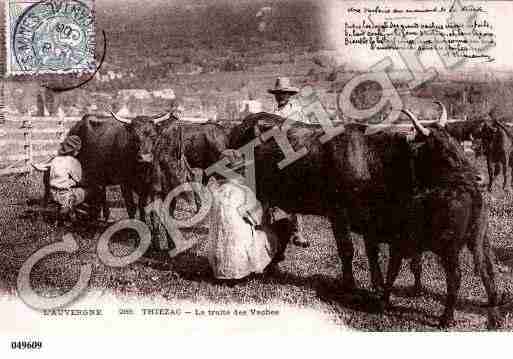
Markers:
<point>26,345</point>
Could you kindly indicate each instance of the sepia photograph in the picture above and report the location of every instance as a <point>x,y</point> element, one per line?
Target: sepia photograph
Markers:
<point>283,167</point>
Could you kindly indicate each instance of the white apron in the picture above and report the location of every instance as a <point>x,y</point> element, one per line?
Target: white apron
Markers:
<point>236,249</point>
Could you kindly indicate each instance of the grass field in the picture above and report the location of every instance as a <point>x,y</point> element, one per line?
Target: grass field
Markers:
<point>307,278</point>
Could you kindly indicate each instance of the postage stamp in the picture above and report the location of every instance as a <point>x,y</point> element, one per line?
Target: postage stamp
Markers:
<point>50,36</point>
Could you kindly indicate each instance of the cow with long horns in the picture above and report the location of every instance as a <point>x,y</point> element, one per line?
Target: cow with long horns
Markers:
<point>446,214</point>
<point>113,153</point>
<point>352,183</point>
<point>366,183</point>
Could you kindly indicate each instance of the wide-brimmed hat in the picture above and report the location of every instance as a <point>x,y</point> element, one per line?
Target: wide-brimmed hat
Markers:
<point>176,108</point>
<point>70,145</point>
<point>282,85</point>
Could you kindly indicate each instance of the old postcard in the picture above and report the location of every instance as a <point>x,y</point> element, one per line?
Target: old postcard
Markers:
<point>279,168</point>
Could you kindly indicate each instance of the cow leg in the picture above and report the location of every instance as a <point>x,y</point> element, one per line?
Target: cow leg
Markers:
<point>393,270</point>
<point>128,196</point>
<point>105,205</point>
<point>416,268</point>
<point>491,174</point>
<point>93,197</point>
<point>505,166</point>
<point>155,221</point>
<point>142,203</point>
<point>511,169</point>
<point>483,261</point>
<point>453,280</point>
<point>46,186</point>
<point>372,250</point>
<point>202,179</point>
<point>197,201</point>
<point>173,205</point>
<point>297,235</point>
<point>341,230</point>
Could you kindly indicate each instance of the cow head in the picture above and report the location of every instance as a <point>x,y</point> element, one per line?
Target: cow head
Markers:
<point>477,128</point>
<point>144,132</point>
<point>439,156</point>
<point>488,135</point>
<point>252,127</point>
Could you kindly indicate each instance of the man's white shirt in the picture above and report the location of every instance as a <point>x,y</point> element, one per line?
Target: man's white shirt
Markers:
<point>292,110</point>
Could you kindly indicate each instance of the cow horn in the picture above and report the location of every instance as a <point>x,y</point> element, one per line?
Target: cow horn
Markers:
<point>121,119</point>
<point>443,118</point>
<point>162,118</point>
<point>418,126</point>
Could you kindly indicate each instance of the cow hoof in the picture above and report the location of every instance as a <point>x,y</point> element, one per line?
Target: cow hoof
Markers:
<point>386,304</point>
<point>414,291</point>
<point>271,269</point>
<point>494,321</point>
<point>348,283</point>
<point>445,322</point>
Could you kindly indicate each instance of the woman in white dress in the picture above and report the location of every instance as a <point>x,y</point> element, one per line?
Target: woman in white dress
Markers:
<point>240,244</point>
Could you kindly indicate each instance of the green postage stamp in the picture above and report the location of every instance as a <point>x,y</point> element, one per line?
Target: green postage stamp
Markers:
<point>50,36</point>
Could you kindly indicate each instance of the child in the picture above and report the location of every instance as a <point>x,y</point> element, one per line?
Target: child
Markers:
<point>65,176</point>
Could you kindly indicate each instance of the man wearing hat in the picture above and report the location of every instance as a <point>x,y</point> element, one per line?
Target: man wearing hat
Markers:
<point>289,108</point>
<point>66,175</point>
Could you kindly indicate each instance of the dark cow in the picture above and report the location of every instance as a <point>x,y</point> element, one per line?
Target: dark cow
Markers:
<point>327,181</point>
<point>497,146</point>
<point>446,213</point>
<point>175,153</point>
<point>361,183</point>
<point>180,154</point>
<point>203,143</point>
<point>182,147</point>
<point>113,153</point>
<point>169,140</point>
<point>383,212</point>
<point>378,213</point>
<point>465,130</point>
<point>358,181</point>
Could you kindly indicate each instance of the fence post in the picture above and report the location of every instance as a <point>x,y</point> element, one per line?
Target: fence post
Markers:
<point>27,134</point>
<point>60,124</point>
<point>2,103</point>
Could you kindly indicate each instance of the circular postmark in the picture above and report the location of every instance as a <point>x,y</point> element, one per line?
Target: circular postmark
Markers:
<point>55,35</point>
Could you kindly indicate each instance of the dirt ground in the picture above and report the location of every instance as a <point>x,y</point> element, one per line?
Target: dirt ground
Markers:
<point>307,278</point>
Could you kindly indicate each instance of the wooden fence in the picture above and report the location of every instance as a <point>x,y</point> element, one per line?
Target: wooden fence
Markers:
<point>21,139</point>
<point>22,135</point>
